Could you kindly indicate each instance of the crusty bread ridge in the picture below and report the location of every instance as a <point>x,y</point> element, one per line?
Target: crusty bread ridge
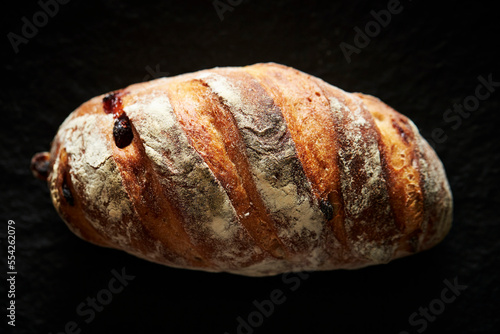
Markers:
<point>251,170</point>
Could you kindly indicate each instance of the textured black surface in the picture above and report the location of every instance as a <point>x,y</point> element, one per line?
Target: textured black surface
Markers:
<point>424,61</point>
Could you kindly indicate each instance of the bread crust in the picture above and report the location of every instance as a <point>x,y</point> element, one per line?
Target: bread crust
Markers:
<point>253,170</point>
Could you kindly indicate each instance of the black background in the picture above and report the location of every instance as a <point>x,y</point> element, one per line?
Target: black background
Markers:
<point>424,61</point>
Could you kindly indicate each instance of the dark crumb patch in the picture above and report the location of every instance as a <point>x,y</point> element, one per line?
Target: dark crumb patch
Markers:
<point>404,134</point>
<point>68,196</point>
<point>327,209</point>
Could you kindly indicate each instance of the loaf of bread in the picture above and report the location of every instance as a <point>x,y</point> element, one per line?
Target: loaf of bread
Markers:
<point>253,170</point>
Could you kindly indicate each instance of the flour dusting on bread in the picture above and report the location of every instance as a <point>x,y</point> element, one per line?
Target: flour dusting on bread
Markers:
<point>159,197</point>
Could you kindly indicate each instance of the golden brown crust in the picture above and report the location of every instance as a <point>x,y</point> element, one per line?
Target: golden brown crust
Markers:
<point>255,170</point>
<point>213,133</point>
<point>273,160</point>
<point>159,216</point>
<point>308,118</point>
<point>438,206</point>
<point>72,214</point>
<point>398,141</point>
